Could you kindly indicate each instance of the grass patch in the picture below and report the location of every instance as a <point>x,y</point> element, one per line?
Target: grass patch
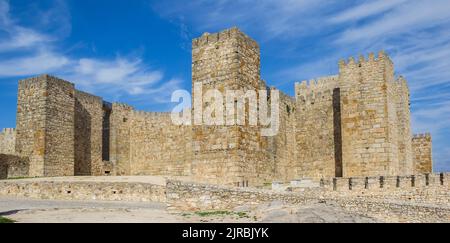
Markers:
<point>221,213</point>
<point>18,178</point>
<point>4,220</point>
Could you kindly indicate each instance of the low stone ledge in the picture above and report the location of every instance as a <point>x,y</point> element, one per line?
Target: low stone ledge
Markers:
<point>70,190</point>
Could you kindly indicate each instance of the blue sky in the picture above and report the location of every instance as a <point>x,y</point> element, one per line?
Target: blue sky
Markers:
<point>139,51</point>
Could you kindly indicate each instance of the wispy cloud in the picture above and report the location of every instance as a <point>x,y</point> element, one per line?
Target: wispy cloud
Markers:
<point>273,17</point>
<point>403,18</point>
<point>29,51</point>
<point>365,10</point>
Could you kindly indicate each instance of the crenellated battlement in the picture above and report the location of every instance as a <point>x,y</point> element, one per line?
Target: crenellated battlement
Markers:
<point>352,62</point>
<point>146,114</point>
<point>316,88</point>
<point>388,183</point>
<point>234,32</point>
<point>8,131</point>
<point>117,105</point>
<point>422,136</point>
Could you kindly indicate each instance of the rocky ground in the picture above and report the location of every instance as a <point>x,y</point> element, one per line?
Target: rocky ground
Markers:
<point>51,211</point>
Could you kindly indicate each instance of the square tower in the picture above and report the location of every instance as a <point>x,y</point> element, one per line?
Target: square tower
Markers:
<point>229,60</point>
<point>45,125</point>
<point>369,117</point>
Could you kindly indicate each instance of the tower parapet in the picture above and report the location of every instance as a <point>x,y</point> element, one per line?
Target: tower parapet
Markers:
<point>352,62</point>
<point>231,33</point>
<point>316,88</point>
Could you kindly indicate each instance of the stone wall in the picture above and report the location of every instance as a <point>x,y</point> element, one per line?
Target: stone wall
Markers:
<point>59,128</point>
<point>414,189</point>
<point>158,147</point>
<point>422,150</point>
<point>148,143</point>
<point>8,141</point>
<point>281,149</point>
<point>88,134</point>
<point>406,164</point>
<point>431,204</point>
<point>120,140</point>
<point>12,166</point>
<point>356,123</point>
<point>420,188</point>
<point>315,128</point>
<point>84,190</point>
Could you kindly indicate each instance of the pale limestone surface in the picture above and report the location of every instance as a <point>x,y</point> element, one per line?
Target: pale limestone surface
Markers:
<point>51,211</point>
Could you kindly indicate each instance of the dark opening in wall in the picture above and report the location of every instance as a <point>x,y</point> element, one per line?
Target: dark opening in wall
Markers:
<point>107,107</point>
<point>337,132</point>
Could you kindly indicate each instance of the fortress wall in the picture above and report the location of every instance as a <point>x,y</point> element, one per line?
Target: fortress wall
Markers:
<point>353,124</point>
<point>158,147</point>
<point>315,128</point>
<point>422,150</point>
<point>406,166</point>
<point>394,127</point>
<point>88,134</point>
<point>8,141</point>
<point>59,128</point>
<point>282,147</point>
<point>30,124</point>
<point>120,125</point>
<point>369,127</point>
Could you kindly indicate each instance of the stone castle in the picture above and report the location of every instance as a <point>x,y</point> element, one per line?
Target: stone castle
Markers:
<point>353,124</point>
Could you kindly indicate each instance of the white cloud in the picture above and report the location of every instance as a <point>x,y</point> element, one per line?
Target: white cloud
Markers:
<point>365,10</point>
<point>406,18</point>
<point>130,76</point>
<point>32,51</point>
<point>38,63</point>
<point>274,18</point>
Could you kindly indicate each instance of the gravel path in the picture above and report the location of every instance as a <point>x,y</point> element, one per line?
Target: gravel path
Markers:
<point>53,211</point>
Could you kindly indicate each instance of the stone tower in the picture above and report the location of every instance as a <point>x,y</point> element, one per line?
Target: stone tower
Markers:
<point>45,125</point>
<point>59,128</point>
<point>228,60</point>
<point>369,117</point>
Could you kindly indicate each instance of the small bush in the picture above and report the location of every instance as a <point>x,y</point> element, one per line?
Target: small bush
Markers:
<point>4,220</point>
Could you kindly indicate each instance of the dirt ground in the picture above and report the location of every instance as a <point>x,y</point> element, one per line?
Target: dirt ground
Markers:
<point>24,210</point>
